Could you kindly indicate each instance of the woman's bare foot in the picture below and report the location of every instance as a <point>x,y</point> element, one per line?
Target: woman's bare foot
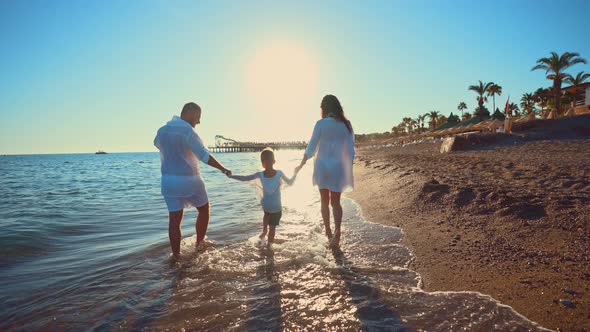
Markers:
<point>329,234</point>
<point>335,240</point>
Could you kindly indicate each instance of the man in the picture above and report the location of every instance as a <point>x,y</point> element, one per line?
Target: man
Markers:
<point>182,186</point>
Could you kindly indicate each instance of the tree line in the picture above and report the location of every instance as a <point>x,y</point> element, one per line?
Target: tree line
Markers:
<point>538,102</point>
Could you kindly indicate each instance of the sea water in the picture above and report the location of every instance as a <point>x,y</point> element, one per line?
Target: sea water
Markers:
<point>84,246</point>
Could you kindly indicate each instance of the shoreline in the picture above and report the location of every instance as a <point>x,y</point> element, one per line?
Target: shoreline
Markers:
<point>510,222</point>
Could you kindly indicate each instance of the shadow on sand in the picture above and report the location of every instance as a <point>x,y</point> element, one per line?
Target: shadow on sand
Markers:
<point>373,314</point>
<point>265,307</point>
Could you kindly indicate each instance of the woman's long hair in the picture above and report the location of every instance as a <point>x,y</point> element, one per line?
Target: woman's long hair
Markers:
<point>331,107</point>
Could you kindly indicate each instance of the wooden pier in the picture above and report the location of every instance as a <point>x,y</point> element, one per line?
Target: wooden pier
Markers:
<point>223,144</point>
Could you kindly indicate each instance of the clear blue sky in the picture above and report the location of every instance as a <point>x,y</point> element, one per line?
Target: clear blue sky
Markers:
<point>78,76</point>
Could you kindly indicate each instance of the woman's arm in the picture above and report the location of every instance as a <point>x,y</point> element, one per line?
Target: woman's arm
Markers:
<point>351,144</point>
<point>244,177</point>
<point>312,146</point>
<point>303,161</point>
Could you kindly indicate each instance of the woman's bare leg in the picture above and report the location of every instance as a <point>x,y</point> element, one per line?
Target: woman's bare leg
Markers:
<point>175,219</point>
<point>265,220</point>
<point>325,199</point>
<point>337,210</point>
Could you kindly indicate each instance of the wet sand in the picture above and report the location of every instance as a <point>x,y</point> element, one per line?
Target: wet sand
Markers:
<point>510,220</point>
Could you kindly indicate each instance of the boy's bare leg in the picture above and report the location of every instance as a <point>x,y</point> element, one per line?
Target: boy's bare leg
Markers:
<point>337,210</point>
<point>175,219</point>
<point>265,220</point>
<point>202,222</point>
<point>271,235</point>
<point>325,200</point>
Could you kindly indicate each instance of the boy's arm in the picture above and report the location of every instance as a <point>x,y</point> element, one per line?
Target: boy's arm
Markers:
<point>287,180</point>
<point>244,177</point>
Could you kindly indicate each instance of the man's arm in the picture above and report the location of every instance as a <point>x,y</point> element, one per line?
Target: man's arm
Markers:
<point>197,147</point>
<point>214,163</point>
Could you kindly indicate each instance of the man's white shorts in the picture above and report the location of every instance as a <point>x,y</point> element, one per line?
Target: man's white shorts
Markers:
<point>181,191</point>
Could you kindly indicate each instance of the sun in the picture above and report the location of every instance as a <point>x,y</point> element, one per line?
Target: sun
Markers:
<point>279,75</point>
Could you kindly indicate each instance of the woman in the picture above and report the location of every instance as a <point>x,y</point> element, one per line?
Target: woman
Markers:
<point>333,140</point>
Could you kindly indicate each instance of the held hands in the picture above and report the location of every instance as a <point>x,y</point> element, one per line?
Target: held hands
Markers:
<point>226,171</point>
<point>297,169</point>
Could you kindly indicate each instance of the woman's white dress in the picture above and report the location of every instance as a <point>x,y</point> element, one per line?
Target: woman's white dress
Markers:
<point>332,144</point>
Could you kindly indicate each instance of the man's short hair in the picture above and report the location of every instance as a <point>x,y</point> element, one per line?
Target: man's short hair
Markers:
<point>190,107</point>
<point>267,154</point>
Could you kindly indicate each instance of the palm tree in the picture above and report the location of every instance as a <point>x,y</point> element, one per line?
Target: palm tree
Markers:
<point>542,97</point>
<point>407,124</point>
<point>413,124</point>
<point>512,107</point>
<point>433,118</point>
<point>481,89</point>
<point>527,102</point>
<point>554,67</point>
<point>397,129</point>
<point>421,119</point>
<point>466,116</point>
<point>441,120</point>
<point>462,106</point>
<point>494,90</point>
<point>580,78</point>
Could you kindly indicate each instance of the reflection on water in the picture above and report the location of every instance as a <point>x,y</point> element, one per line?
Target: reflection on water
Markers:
<point>303,285</point>
<point>86,247</point>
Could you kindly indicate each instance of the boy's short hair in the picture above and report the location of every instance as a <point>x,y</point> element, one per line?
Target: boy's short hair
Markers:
<point>267,154</point>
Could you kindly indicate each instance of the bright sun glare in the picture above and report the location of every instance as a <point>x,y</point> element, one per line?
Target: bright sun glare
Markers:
<point>279,76</point>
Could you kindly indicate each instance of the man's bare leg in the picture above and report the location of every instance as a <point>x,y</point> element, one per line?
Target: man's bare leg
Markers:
<point>271,235</point>
<point>202,222</point>
<point>337,210</point>
<point>265,220</point>
<point>325,199</point>
<point>175,219</point>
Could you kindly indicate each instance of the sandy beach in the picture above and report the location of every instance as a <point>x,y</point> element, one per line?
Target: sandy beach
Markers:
<point>510,220</point>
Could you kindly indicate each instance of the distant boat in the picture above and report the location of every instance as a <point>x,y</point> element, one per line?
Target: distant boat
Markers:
<point>100,152</point>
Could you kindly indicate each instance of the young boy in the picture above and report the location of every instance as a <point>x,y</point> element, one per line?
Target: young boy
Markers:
<point>270,179</point>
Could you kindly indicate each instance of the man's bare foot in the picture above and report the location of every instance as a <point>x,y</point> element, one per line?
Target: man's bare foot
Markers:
<point>204,244</point>
<point>262,236</point>
<point>174,257</point>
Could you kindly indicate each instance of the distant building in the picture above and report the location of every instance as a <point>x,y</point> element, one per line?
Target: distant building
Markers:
<point>582,95</point>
